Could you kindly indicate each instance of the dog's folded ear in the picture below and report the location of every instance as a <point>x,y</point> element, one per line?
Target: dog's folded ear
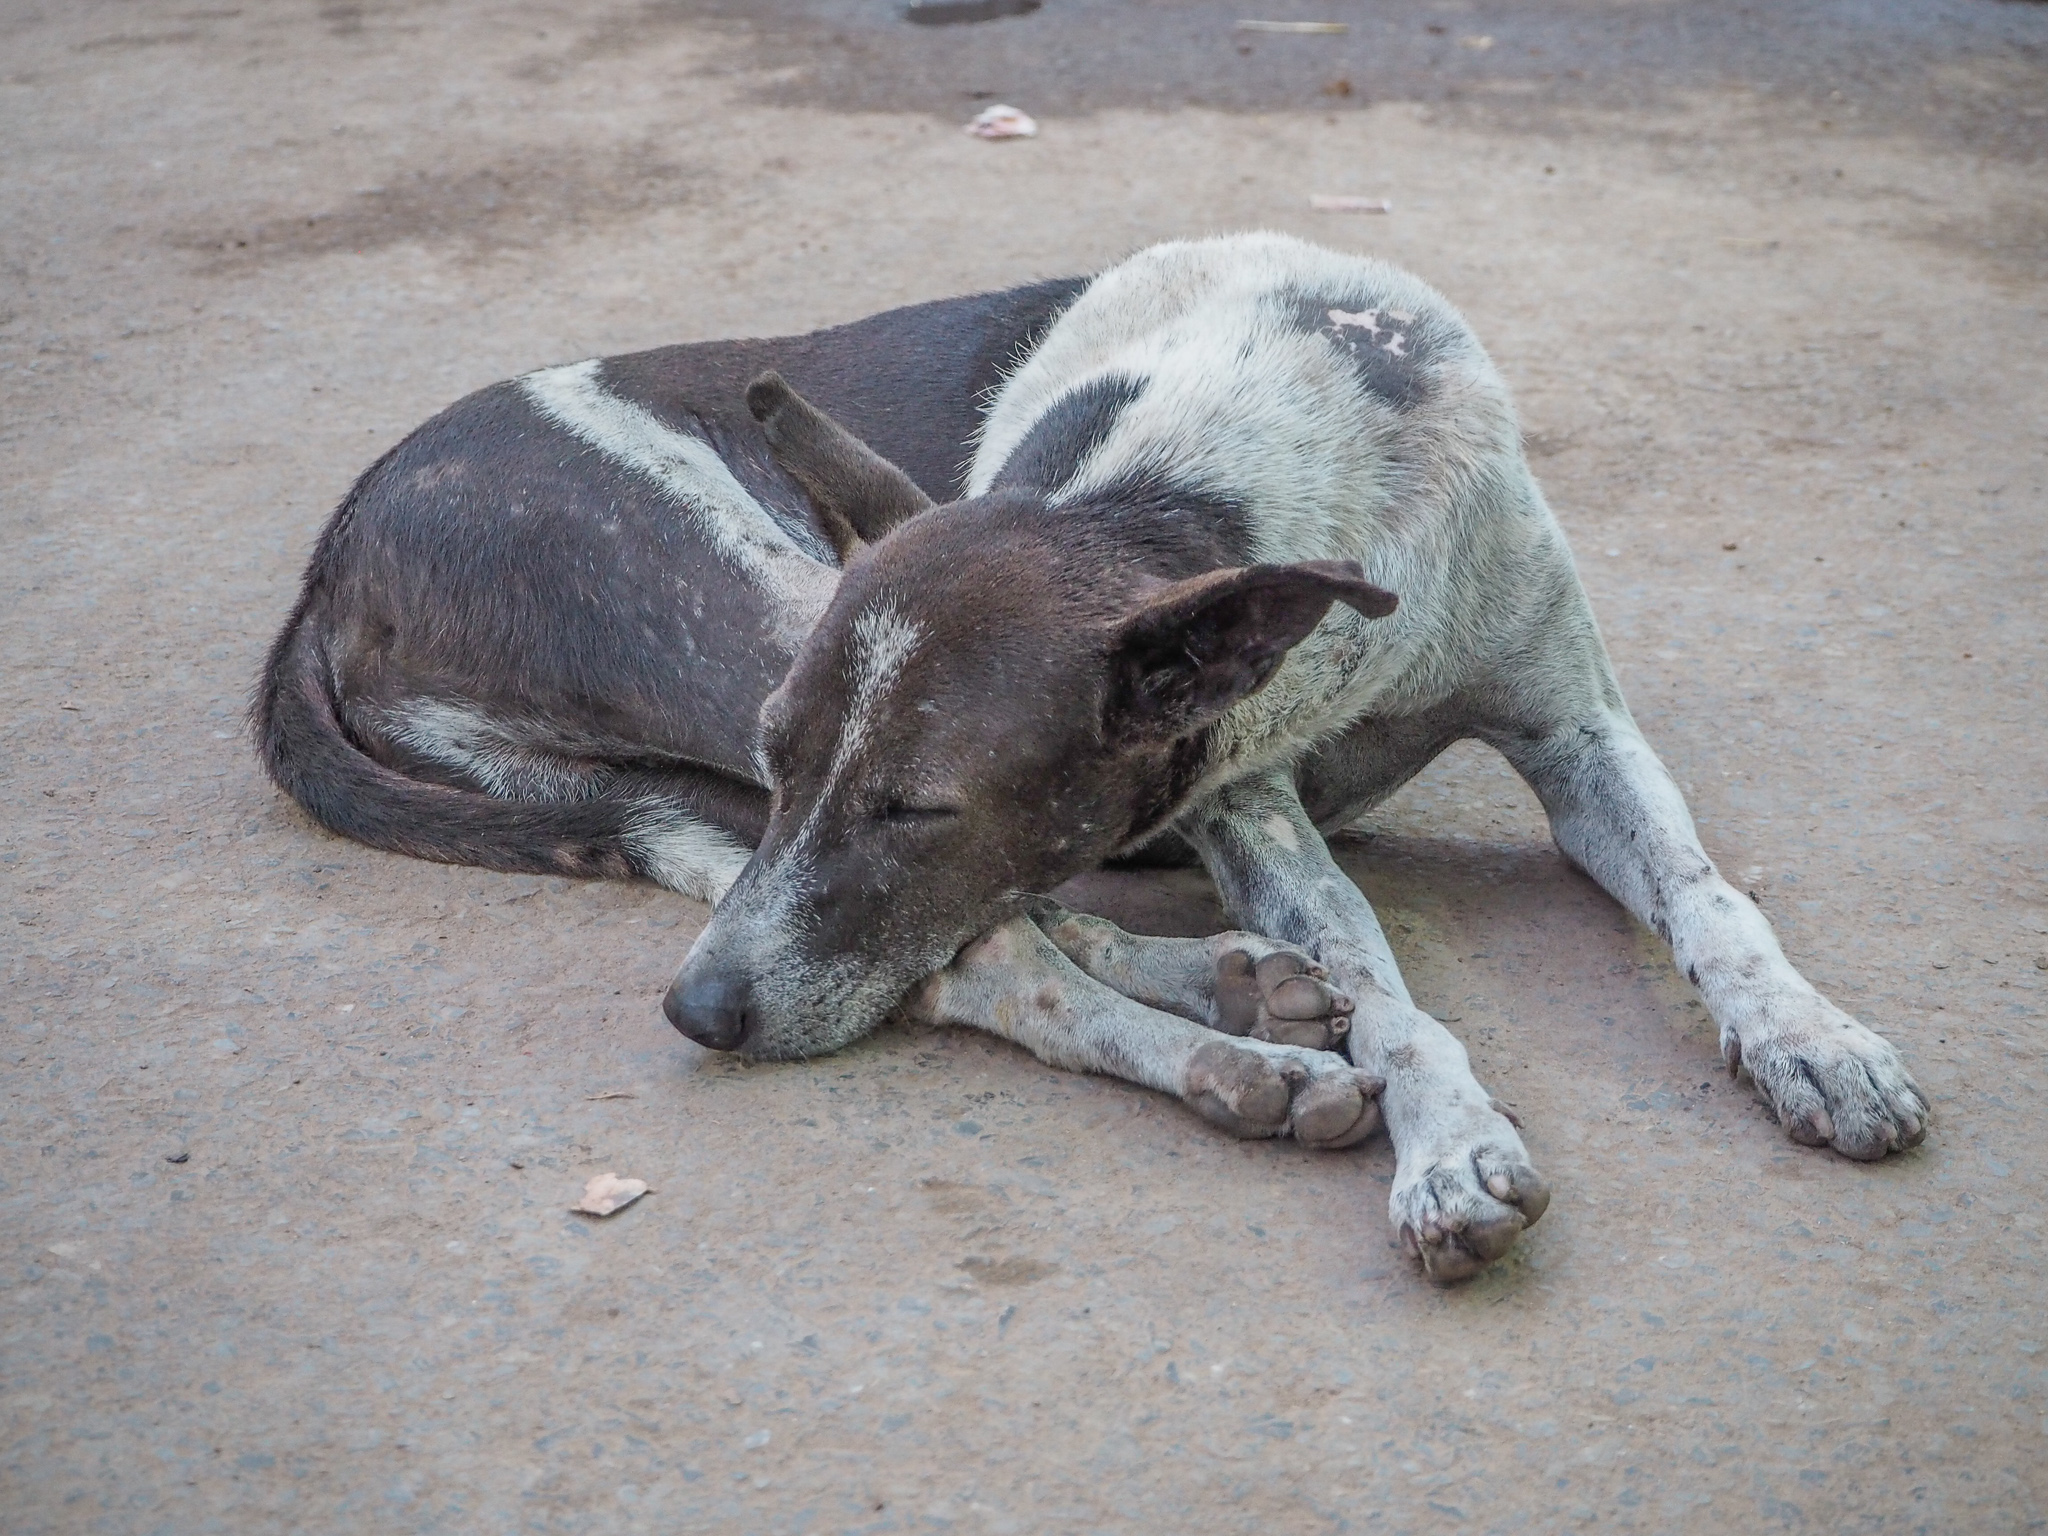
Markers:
<point>857,494</point>
<point>1190,652</point>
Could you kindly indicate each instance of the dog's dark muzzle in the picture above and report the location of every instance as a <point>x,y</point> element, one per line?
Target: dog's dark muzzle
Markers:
<point>712,1010</point>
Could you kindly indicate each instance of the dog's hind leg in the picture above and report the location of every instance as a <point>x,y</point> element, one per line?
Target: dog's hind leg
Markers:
<point>1617,815</point>
<point>1236,983</point>
<point>1015,982</point>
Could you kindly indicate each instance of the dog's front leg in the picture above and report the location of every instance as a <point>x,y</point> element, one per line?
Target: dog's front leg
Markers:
<point>1617,815</point>
<point>1015,982</point>
<point>1464,1188</point>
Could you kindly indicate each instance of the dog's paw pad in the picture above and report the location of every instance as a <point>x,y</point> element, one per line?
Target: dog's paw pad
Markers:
<point>1508,1177</point>
<point>1281,996</point>
<point>1337,1108</point>
<point>1237,1090</point>
<point>1256,1090</point>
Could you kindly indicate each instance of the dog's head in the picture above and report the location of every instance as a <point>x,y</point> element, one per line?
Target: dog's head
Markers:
<point>994,701</point>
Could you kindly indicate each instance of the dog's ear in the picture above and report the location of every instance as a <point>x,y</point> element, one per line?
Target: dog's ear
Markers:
<point>1190,652</point>
<point>858,494</point>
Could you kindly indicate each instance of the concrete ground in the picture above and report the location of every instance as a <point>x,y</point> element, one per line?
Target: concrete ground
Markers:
<point>1769,286</point>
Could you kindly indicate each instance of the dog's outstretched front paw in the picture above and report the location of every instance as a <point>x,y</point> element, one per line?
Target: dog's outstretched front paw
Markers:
<point>1269,992</point>
<point>1831,1081</point>
<point>1254,1089</point>
<point>1463,1208</point>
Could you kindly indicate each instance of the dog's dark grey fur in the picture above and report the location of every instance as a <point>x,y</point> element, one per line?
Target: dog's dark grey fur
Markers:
<point>604,669</point>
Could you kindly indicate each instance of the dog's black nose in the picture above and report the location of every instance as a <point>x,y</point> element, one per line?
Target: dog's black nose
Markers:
<point>711,1010</point>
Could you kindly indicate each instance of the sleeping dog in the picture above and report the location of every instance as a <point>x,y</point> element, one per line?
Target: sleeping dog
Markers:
<point>1234,539</point>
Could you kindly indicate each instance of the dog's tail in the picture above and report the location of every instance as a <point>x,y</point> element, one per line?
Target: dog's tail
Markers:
<point>309,754</point>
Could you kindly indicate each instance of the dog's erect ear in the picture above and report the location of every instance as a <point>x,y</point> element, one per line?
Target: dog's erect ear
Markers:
<point>1195,649</point>
<point>858,494</point>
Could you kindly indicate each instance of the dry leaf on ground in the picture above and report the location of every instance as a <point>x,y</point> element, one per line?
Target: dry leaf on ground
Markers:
<point>607,1193</point>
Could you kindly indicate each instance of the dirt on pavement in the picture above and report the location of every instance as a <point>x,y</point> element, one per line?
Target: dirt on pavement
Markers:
<point>291,1129</point>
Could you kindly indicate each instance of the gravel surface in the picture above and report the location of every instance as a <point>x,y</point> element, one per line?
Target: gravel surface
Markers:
<point>291,1129</point>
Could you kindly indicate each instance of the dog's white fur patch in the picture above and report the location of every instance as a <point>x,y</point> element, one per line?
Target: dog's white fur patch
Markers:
<point>883,641</point>
<point>674,848</point>
<point>882,644</point>
<point>487,750</point>
<point>692,474</point>
<point>685,854</point>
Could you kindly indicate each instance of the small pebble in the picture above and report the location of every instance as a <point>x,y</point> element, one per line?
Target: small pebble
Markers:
<point>177,1157</point>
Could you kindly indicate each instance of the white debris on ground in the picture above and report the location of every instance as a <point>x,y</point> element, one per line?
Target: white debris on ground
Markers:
<point>1001,122</point>
<point>1333,202</point>
<point>1300,28</point>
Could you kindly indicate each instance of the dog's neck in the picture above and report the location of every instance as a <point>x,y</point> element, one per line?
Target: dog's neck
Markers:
<point>1106,546</point>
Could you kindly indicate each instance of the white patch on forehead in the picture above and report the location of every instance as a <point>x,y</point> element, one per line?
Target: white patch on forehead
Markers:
<point>692,475</point>
<point>464,738</point>
<point>685,854</point>
<point>882,643</point>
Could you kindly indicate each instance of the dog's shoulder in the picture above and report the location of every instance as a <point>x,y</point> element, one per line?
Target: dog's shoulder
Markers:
<point>1257,370</point>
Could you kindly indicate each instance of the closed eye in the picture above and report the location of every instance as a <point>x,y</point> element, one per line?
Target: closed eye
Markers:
<point>899,813</point>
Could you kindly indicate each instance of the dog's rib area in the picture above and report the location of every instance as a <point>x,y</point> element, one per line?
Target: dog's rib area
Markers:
<point>691,473</point>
